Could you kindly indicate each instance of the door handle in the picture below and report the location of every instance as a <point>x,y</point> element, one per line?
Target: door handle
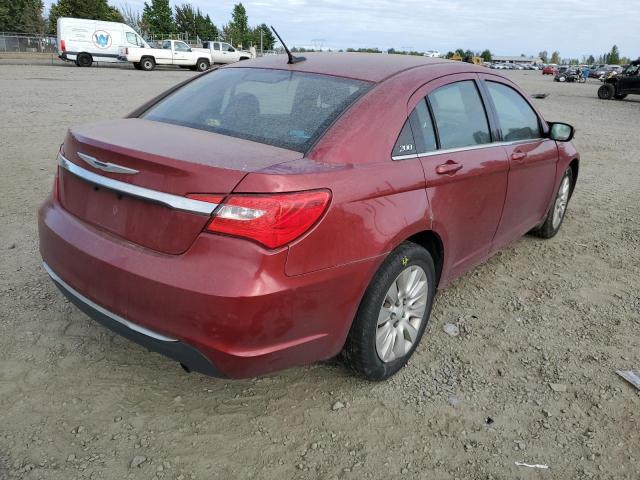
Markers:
<point>448,168</point>
<point>518,156</point>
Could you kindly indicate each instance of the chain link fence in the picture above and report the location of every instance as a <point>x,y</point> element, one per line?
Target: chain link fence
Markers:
<point>27,43</point>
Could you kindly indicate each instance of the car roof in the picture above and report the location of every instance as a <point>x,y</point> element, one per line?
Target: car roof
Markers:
<point>371,67</point>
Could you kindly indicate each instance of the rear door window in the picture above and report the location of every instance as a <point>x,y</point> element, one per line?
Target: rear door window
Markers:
<point>517,120</point>
<point>460,117</point>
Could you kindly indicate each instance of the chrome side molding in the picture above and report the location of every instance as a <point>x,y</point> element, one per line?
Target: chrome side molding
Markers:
<point>104,311</point>
<point>169,200</point>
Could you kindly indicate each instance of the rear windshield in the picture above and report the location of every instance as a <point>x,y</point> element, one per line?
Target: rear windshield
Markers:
<point>277,107</point>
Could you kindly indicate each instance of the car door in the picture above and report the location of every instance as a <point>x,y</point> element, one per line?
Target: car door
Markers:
<point>532,159</point>
<point>182,54</point>
<point>630,82</point>
<point>229,54</point>
<point>164,55</point>
<point>465,173</point>
<point>216,53</point>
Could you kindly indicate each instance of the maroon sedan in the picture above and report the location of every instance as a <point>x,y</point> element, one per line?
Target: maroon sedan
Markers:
<point>265,215</point>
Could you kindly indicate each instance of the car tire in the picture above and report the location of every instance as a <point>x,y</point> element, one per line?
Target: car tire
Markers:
<point>147,64</point>
<point>377,354</point>
<point>202,64</point>
<point>84,60</point>
<point>620,96</point>
<point>555,216</point>
<point>606,92</point>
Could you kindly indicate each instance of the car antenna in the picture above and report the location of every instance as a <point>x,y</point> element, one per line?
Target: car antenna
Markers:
<point>292,59</point>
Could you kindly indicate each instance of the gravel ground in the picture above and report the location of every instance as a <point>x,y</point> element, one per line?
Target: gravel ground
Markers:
<point>530,378</point>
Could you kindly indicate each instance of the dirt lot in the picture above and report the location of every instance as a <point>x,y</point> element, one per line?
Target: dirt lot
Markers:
<point>531,377</point>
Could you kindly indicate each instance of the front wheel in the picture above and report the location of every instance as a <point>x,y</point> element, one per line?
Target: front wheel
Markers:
<point>202,65</point>
<point>606,91</point>
<point>393,314</point>
<point>556,213</point>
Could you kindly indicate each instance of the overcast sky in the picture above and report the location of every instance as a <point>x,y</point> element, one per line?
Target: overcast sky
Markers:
<point>573,27</point>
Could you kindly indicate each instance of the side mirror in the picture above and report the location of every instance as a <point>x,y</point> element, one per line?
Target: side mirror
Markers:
<point>561,132</point>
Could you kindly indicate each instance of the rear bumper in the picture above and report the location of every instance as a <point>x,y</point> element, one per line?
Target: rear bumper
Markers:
<point>224,307</point>
<point>189,357</point>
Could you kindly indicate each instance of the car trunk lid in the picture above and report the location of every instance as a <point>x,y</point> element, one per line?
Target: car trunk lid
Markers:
<point>131,178</point>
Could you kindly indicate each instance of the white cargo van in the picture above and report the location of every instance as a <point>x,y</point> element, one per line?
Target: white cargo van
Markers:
<point>86,41</point>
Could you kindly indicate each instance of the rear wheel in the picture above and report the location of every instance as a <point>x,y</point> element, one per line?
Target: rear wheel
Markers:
<point>393,314</point>
<point>202,65</point>
<point>147,64</point>
<point>556,213</point>
<point>84,60</point>
<point>606,91</point>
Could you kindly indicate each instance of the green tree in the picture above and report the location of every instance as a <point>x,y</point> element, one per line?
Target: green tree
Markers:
<point>460,51</point>
<point>24,16</point>
<point>237,30</point>
<point>614,56</point>
<point>591,60</point>
<point>555,57</point>
<point>185,19</point>
<point>205,28</point>
<point>158,17</point>
<point>268,38</point>
<point>486,55</point>
<point>90,9</point>
<point>544,56</point>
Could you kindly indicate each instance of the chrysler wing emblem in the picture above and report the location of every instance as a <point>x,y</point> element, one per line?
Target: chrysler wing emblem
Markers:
<point>106,166</point>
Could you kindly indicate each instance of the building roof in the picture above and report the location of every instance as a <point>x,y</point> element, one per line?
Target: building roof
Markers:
<point>372,67</point>
<point>515,59</point>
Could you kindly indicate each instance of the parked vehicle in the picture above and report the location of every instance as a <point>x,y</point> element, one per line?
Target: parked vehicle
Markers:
<point>86,41</point>
<point>172,52</point>
<point>224,53</point>
<point>623,84</point>
<point>550,70</point>
<point>570,75</point>
<point>265,214</point>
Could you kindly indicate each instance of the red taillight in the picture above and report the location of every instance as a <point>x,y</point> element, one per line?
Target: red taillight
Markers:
<point>126,51</point>
<point>63,46</point>
<point>272,220</point>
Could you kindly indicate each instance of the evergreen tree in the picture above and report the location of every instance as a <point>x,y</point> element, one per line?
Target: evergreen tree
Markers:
<point>614,56</point>
<point>205,28</point>
<point>237,30</point>
<point>158,17</point>
<point>185,20</point>
<point>23,16</point>
<point>555,57</point>
<point>486,55</point>
<point>90,9</point>
<point>544,56</point>
<point>268,38</point>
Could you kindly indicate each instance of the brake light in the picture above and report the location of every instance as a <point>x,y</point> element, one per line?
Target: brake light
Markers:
<point>126,51</point>
<point>272,220</point>
<point>63,46</point>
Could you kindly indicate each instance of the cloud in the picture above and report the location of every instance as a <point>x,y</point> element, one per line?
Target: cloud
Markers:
<point>574,27</point>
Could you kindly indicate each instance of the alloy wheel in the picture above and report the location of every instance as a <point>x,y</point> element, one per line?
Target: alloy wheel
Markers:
<point>401,314</point>
<point>560,206</point>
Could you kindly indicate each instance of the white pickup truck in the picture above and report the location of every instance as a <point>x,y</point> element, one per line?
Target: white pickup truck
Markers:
<point>172,52</point>
<point>222,52</point>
